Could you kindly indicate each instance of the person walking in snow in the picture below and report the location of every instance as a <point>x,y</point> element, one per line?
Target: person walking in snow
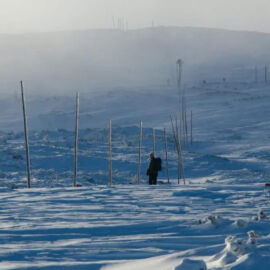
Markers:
<point>153,168</point>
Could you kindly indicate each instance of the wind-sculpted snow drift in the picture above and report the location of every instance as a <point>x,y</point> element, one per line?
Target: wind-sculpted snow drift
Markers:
<point>132,227</point>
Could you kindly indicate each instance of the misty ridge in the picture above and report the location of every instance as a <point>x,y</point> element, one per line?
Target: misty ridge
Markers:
<point>64,62</point>
<point>124,75</point>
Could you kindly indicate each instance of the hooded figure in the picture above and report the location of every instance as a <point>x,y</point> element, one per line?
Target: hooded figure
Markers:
<point>152,170</point>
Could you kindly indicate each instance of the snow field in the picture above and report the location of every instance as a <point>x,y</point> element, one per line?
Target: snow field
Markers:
<point>94,227</point>
<point>219,221</point>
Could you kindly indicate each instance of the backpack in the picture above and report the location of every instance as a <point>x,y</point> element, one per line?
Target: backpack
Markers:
<point>158,164</point>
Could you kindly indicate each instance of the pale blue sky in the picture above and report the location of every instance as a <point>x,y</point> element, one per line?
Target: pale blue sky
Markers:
<point>17,16</point>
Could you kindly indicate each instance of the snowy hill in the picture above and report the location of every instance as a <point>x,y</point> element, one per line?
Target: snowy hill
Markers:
<point>82,60</point>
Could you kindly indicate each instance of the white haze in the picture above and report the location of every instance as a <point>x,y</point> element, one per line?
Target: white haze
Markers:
<point>104,59</point>
<point>53,61</point>
<point>17,16</point>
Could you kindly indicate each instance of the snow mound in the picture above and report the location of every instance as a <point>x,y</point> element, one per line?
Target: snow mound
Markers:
<point>253,261</point>
<point>236,251</point>
<point>216,221</point>
<point>189,264</point>
<point>239,246</point>
<point>260,216</point>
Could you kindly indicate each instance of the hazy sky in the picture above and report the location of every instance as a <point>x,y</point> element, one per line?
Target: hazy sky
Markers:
<point>18,16</point>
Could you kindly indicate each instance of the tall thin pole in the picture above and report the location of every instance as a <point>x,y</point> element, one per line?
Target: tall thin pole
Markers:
<point>181,162</point>
<point>154,140</point>
<point>179,80</point>
<point>183,119</point>
<point>166,153</point>
<point>178,150</point>
<point>183,109</point>
<point>179,85</point>
<point>76,140</point>
<point>110,152</point>
<point>177,140</point>
<point>174,135</point>
<point>26,139</point>
<point>140,153</point>
<point>186,128</point>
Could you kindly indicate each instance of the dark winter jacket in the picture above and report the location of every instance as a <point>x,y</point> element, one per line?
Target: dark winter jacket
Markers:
<point>152,170</point>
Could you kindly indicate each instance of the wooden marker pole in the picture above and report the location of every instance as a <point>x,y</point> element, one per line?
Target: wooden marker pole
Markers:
<point>179,64</point>
<point>178,139</point>
<point>181,161</point>
<point>166,153</point>
<point>181,174</point>
<point>176,135</point>
<point>179,155</point>
<point>26,139</point>
<point>76,140</point>
<point>140,154</point>
<point>110,152</point>
<point>182,120</point>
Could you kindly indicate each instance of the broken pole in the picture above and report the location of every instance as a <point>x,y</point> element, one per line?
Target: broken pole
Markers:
<point>26,139</point>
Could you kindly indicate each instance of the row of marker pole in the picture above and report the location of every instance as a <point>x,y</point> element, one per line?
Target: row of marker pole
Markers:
<point>176,134</point>
<point>178,145</point>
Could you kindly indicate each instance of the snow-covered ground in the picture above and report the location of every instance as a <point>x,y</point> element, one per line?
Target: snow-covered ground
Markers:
<point>136,227</point>
<point>219,220</point>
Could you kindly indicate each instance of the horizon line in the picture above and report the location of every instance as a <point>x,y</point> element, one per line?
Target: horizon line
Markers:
<point>131,29</point>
